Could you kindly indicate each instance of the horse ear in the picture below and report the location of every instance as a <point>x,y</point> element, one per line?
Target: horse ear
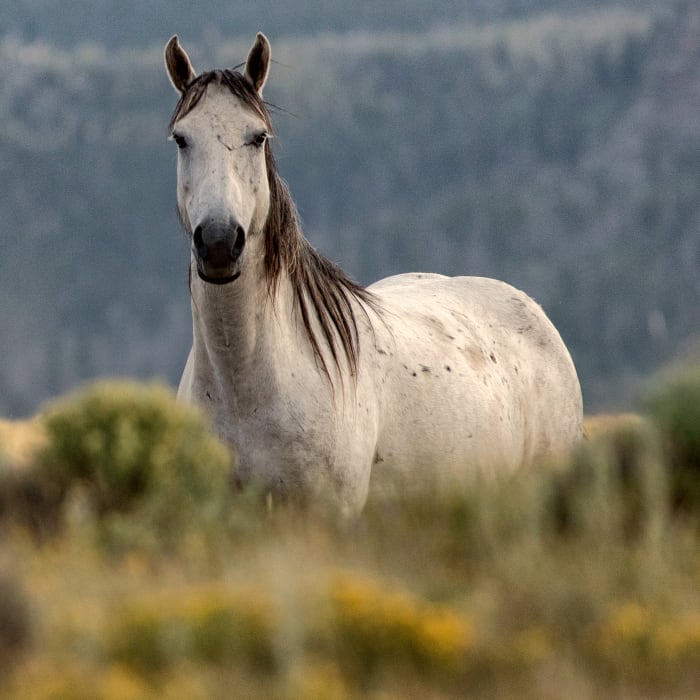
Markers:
<point>257,67</point>
<point>177,63</point>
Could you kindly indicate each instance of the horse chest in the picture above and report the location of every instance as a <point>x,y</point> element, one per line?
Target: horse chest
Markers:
<point>275,439</point>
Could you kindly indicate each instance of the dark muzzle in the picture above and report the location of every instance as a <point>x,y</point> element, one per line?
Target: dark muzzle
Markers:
<point>217,248</point>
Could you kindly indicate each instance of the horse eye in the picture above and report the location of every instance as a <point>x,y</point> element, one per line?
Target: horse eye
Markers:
<point>181,141</point>
<point>259,139</point>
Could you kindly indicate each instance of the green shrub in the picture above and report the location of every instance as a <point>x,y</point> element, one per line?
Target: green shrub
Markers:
<point>133,448</point>
<point>674,405</point>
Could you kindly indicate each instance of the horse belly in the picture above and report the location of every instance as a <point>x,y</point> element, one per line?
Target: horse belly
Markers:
<point>452,422</point>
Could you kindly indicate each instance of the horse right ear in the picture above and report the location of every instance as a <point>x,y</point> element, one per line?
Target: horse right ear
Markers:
<point>178,65</point>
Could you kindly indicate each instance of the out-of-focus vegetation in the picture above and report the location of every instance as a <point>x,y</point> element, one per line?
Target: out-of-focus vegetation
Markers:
<point>553,144</point>
<point>120,452</point>
<point>147,578</point>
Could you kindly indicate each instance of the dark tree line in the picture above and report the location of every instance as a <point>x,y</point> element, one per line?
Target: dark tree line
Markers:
<point>558,150</point>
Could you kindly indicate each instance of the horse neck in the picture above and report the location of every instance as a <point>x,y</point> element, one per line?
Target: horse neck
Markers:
<point>237,326</point>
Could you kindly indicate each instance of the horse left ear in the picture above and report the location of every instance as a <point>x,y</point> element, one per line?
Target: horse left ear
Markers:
<point>257,67</point>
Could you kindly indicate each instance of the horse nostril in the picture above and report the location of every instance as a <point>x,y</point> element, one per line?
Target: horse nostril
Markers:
<point>239,243</point>
<point>198,241</point>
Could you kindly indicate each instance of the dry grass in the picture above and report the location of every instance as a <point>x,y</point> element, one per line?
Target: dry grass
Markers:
<point>20,441</point>
<point>580,582</point>
<point>601,424</point>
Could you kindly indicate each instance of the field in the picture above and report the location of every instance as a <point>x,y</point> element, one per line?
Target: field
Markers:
<point>128,570</point>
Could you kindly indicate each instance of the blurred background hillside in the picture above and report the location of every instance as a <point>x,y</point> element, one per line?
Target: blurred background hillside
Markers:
<point>554,144</point>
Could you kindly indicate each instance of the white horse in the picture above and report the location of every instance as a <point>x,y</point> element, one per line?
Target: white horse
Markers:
<point>317,383</point>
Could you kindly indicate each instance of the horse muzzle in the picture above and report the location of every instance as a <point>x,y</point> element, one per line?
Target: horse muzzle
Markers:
<point>217,249</point>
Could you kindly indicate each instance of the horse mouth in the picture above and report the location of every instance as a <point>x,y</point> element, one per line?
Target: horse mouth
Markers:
<point>218,280</point>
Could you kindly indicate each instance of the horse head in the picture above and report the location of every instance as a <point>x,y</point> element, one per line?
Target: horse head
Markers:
<point>222,129</point>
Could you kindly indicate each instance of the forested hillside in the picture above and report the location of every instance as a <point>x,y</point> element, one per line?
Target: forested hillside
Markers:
<point>555,145</point>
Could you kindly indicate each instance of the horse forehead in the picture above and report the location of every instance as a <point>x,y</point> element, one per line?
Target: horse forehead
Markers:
<point>220,109</point>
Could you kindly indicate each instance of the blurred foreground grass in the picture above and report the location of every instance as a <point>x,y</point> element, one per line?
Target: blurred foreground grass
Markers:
<point>128,570</point>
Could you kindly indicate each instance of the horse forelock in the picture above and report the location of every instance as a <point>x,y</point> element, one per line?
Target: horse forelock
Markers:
<point>325,297</point>
<point>233,80</point>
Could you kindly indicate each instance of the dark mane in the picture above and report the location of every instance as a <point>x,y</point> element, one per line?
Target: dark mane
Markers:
<point>325,296</point>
